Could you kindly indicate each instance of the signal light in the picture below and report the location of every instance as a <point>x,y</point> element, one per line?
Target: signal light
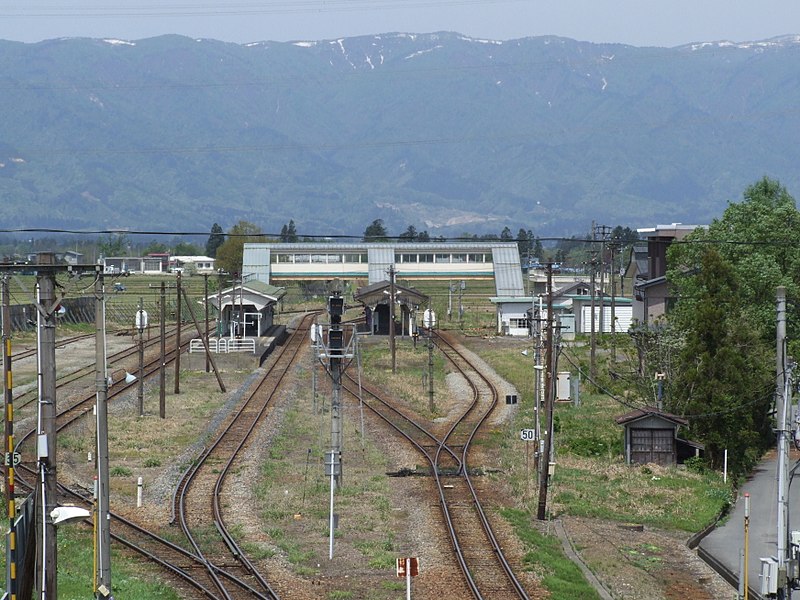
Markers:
<point>335,342</point>
<point>336,309</point>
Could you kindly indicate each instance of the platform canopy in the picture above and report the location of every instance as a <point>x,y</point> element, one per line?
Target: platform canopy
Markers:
<point>378,293</point>
<point>253,293</point>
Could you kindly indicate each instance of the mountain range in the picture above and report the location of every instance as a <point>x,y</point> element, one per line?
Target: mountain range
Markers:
<point>447,133</point>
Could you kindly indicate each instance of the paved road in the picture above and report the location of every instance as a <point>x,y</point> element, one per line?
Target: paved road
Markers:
<point>726,542</point>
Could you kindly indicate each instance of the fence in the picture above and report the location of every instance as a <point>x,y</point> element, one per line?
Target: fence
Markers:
<point>224,345</point>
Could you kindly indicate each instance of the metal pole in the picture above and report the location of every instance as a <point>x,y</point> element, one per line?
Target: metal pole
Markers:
<point>220,330</point>
<point>592,339</point>
<point>205,296</point>
<point>314,351</point>
<point>336,418</point>
<point>408,579</point>
<point>391,317</point>
<point>47,434</point>
<point>613,305</point>
<point>140,387</point>
<point>782,405</point>
<point>178,337</point>
<point>746,544</point>
<point>205,342</point>
<point>462,285</point>
<point>360,390</point>
<point>330,517</point>
<point>431,405</point>
<point>162,371</point>
<point>102,513</point>
<point>548,400</point>
<point>11,567</point>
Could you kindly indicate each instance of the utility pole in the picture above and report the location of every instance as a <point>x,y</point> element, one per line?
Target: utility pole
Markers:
<point>220,330</point>
<point>102,516</point>
<point>392,274</point>
<point>429,322</point>
<point>205,304</point>
<point>783,410</point>
<point>141,323</point>
<point>461,287</point>
<point>48,472</point>
<point>162,371</point>
<point>537,384</point>
<point>592,337</point>
<point>178,337</point>
<point>614,246</point>
<point>11,568</point>
<point>604,230</point>
<point>548,399</point>
<point>450,291</point>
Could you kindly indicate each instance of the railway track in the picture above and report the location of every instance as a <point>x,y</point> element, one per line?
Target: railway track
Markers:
<point>24,399</point>
<point>487,573</point>
<point>85,402</point>
<point>197,496</point>
<point>212,573</point>
<point>189,569</point>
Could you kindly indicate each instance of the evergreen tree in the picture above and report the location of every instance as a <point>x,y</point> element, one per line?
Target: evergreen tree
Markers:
<point>725,378</point>
<point>409,235</point>
<point>506,235</point>
<point>291,233</point>
<point>215,240</point>
<point>375,232</point>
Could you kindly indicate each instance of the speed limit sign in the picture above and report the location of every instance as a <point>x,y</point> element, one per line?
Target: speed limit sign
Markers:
<point>527,435</point>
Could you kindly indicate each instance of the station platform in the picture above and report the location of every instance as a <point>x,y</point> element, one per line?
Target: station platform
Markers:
<point>235,353</point>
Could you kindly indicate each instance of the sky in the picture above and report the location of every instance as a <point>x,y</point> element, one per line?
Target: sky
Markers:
<point>635,22</point>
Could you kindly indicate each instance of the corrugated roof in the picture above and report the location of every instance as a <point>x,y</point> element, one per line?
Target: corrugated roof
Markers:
<point>380,259</point>
<point>507,270</point>
<point>476,246</point>
<point>374,293</point>
<point>272,291</point>
<point>647,411</point>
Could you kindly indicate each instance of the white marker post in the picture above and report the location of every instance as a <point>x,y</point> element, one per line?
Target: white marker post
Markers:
<point>408,568</point>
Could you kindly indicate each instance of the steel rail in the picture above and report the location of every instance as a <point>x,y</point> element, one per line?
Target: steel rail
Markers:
<point>465,471</point>
<point>242,425</point>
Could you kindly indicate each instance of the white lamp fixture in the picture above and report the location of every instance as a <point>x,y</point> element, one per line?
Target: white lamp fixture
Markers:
<point>67,514</point>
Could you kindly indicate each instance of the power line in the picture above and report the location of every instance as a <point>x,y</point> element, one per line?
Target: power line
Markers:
<point>234,9</point>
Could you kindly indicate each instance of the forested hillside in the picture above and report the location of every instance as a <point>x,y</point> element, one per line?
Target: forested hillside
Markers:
<point>445,132</point>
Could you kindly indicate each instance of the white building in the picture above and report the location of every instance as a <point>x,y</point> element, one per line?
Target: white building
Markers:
<point>430,260</point>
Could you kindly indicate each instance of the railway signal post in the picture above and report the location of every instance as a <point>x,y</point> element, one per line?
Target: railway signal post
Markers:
<point>333,348</point>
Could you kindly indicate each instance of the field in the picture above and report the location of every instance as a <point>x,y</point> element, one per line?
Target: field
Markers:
<point>593,493</point>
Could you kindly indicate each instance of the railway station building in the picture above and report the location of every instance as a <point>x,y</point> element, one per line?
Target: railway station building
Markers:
<point>499,261</point>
